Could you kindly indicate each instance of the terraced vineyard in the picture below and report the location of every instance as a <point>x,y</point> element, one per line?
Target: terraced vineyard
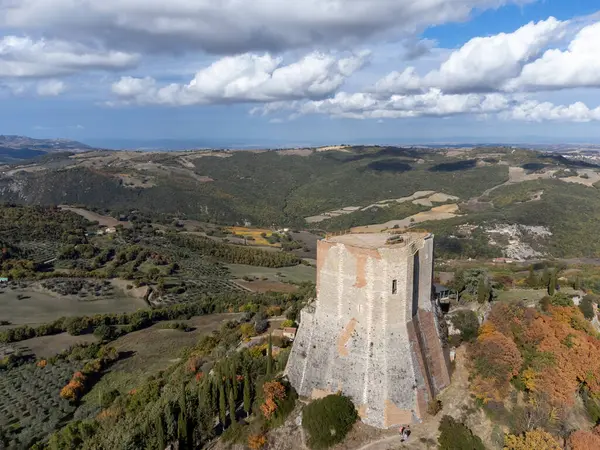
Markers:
<point>195,288</point>
<point>40,251</point>
<point>30,404</point>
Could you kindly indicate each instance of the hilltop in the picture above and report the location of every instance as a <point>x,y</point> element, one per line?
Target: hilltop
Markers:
<point>14,149</point>
<point>480,201</point>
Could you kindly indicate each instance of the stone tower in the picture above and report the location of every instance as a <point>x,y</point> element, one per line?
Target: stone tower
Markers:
<point>373,331</point>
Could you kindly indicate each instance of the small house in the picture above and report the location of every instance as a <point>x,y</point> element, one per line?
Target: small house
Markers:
<point>290,333</point>
<point>277,333</point>
<point>3,280</point>
<point>441,292</point>
<point>110,230</point>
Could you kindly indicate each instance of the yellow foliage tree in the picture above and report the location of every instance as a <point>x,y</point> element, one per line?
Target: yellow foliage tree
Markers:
<point>531,440</point>
<point>528,378</point>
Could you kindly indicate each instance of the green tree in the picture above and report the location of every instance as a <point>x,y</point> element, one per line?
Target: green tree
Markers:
<point>222,403</point>
<point>483,291</point>
<point>552,284</point>
<point>532,279</point>
<point>587,306</point>
<point>182,429</point>
<point>160,433</point>
<point>232,408</point>
<point>467,323</point>
<point>455,435</point>
<point>546,276</point>
<point>269,356</point>
<point>328,420</point>
<point>247,393</point>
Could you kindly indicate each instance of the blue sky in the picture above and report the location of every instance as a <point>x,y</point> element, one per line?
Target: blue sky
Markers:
<point>301,72</point>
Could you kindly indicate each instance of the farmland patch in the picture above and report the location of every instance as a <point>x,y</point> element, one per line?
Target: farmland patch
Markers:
<point>296,274</point>
<point>31,305</point>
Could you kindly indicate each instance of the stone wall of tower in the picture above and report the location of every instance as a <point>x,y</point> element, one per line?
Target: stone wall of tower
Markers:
<point>363,339</point>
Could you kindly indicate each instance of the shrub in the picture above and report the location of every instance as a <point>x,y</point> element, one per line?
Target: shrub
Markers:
<point>434,406</point>
<point>261,326</point>
<point>256,441</point>
<point>456,436</point>
<point>560,299</point>
<point>545,303</point>
<point>468,324</point>
<point>328,420</point>
<point>591,404</point>
<point>76,325</point>
<point>288,323</point>
<point>587,306</point>
<point>104,332</point>
<point>107,398</point>
<point>247,330</point>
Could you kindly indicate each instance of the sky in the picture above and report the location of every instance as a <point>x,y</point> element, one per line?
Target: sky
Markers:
<point>249,73</point>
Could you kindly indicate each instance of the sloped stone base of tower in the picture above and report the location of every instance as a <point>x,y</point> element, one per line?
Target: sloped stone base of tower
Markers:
<point>373,332</point>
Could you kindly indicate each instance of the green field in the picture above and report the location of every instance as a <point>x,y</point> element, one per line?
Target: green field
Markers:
<point>36,307</point>
<point>530,294</point>
<point>47,346</point>
<point>296,274</point>
<point>152,350</point>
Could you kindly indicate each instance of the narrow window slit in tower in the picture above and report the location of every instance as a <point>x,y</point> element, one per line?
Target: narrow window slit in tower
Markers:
<point>394,286</point>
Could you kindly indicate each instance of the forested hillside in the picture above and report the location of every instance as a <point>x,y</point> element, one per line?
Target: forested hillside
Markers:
<point>479,189</point>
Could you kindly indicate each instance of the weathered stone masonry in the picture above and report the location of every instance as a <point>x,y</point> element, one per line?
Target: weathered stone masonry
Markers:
<point>373,331</point>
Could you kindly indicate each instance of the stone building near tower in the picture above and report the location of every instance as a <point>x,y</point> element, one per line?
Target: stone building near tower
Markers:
<point>373,332</point>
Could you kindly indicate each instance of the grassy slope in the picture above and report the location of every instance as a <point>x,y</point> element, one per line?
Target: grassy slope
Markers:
<point>264,188</point>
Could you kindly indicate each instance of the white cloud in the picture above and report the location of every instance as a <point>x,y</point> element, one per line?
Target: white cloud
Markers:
<point>578,66</point>
<point>369,106</point>
<point>483,64</point>
<point>22,57</point>
<point>248,78</point>
<point>233,26</point>
<point>50,88</point>
<point>534,111</point>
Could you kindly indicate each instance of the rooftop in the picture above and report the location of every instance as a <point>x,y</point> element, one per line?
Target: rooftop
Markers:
<point>376,240</point>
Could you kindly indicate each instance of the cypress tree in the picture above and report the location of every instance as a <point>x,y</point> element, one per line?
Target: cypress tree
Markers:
<point>234,380</point>
<point>269,357</point>
<point>160,434</point>
<point>232,409</point>
<point>222,404</point>
<point>532,280</point>
<point>182,430</point>
<point>182,421</point>
<point>247,395</point>
<point>214,395</point>
<point>546,276</point>
<point>577,284</point>
<point>483,293</point>
<point>552,284</point>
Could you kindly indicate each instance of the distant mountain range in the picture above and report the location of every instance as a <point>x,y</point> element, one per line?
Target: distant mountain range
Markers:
<point>19,148</point>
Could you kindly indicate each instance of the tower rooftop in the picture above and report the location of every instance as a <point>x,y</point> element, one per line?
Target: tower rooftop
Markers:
<point>377,240</point>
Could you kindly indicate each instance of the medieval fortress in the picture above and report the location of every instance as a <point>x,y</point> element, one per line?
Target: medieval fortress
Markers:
<point>373,332</point>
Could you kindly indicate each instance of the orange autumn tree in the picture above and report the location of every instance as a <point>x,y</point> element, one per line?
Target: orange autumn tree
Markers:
<point>256,441</point>
<point>584,440</point>
<point>553,354</point>
<point>75,388</point>
<point>495,360</point>
<point>273,390</point>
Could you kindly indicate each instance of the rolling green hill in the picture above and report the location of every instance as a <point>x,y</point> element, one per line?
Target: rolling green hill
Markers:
<point>343,188</point>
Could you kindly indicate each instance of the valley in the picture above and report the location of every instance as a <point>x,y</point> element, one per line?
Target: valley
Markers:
<point>132,284</point>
